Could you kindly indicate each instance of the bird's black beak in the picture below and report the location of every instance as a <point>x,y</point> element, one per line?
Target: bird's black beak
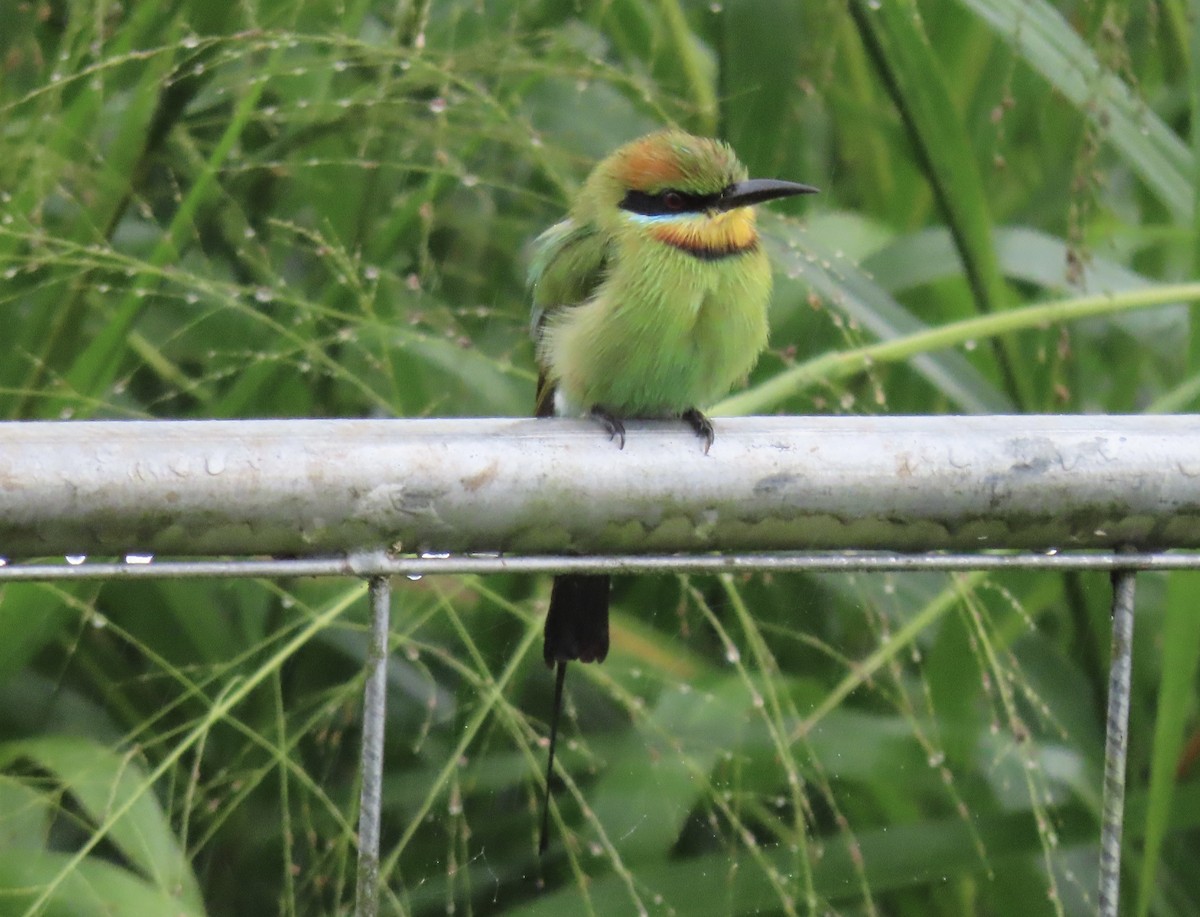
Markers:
<point>757,190</point>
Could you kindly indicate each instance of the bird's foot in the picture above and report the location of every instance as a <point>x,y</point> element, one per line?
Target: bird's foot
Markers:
<point>702,425</point>
<point>612,423</point>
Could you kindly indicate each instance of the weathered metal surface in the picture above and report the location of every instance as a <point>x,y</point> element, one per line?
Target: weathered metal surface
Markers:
<point>313,487</point>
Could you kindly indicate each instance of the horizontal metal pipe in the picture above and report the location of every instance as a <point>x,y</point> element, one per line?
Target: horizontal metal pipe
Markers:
<point>377,563</point>
<point>317,487</point>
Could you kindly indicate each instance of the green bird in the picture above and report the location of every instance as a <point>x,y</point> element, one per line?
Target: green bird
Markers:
<point>649,300</point>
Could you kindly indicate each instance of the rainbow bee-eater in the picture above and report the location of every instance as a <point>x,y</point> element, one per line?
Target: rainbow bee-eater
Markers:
<point>649,300</point>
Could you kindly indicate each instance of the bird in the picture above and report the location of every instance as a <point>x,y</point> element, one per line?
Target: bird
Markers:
<point>648,301</point>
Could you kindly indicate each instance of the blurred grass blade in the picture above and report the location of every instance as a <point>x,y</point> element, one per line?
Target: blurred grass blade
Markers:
<point>846,363</point>
<point>94,369</point>
<point>854,293</point>
<point>894,857</point>
<point>757,90</point>
<point>680,742</point>
<point>895,36</point>
<point>1032,257</point>
<point>1181,656</point>
<point>913,76</point>
<point>1042,38</point>
<point>50,336</point>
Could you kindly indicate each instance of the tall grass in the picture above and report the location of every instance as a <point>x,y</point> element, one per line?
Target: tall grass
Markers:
<point>284,208</point>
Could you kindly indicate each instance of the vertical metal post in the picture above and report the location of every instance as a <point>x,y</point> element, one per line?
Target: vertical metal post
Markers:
<point>1116,742</point>
<point>374,704</point>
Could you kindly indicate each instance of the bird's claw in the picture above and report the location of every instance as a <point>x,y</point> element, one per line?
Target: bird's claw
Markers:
<point>612,423</point>
<point>702,425</point>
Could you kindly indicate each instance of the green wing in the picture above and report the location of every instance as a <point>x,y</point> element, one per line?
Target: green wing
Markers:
<point>568,265</point>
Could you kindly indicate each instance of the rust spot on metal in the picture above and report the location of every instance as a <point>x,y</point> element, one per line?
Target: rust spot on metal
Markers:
<point>480,478</point>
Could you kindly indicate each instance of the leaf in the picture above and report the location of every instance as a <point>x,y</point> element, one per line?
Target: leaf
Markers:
<point>30,619</point>
<point>101,781</point>
<point>93,888</point>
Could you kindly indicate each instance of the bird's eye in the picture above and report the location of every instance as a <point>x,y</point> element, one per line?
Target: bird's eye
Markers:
<point>672,200</point>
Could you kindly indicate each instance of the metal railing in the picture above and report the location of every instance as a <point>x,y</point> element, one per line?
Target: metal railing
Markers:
<point>373,499</point>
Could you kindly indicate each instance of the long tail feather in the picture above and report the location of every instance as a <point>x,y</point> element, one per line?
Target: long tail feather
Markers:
<point>558,689</point>
<point>576,628</point>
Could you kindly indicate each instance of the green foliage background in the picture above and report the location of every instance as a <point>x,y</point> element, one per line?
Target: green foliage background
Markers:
<point>285,208</point>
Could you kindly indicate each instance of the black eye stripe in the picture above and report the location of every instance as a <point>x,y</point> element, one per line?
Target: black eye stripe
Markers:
<point>667,202</point>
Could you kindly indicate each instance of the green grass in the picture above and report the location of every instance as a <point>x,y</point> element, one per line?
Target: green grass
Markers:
<point>276,208</point>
